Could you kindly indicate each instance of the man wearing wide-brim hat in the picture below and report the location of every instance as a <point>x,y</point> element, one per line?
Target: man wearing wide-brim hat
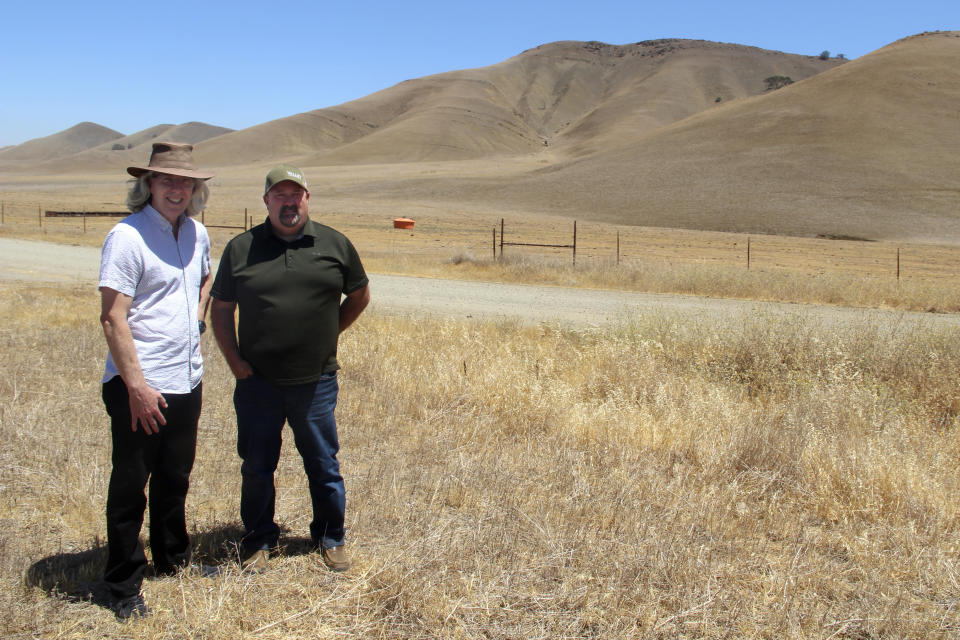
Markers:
<point>154,288</point>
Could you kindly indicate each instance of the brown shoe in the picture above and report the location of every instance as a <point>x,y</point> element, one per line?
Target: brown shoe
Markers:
<point>336,558</point>
<point>257,562</point>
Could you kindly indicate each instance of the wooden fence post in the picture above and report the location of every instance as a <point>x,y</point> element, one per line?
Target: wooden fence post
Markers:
<point>574,243</point>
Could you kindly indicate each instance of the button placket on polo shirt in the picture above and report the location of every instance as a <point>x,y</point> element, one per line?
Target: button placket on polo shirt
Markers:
<point>192,331</point>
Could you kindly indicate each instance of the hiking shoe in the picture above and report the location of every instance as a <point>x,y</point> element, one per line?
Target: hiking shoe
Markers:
<point>257,562</point>
<point>130,607</point>
<point>336,558</point>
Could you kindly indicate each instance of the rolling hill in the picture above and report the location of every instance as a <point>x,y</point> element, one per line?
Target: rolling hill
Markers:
<point>582,95</point>
<point>675,133</point>
<point>74,140</point>
<point>579,95</point>
<point>89,146</point>
<point>868,149</point>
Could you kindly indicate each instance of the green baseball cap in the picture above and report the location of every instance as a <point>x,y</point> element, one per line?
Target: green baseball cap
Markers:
<point>282,173</point>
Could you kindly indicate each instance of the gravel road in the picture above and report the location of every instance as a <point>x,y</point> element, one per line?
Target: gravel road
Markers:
<point>31,261</point>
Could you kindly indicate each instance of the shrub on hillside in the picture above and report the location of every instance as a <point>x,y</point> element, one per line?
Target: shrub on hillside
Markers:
<point>777,82</point>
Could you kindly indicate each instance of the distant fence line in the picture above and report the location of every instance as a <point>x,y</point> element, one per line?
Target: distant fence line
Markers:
<point>534,244</point>
<point>83,215</point>
<point>895,264</point>
<point>90,214</point>
<point>643,244</point>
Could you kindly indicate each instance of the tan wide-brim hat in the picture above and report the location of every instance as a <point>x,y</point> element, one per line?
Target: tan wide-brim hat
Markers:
<point>172,158</point>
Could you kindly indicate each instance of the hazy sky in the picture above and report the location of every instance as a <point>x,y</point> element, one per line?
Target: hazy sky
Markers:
<point>131,65</point>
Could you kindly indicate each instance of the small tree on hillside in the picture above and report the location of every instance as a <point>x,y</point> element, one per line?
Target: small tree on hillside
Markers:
<point>824,55</point>
<point>777,82</point>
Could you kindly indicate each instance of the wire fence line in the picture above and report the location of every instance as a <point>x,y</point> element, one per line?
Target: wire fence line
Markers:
<point>581,243</point>
<point>25,213</point>
<point>815,256</point>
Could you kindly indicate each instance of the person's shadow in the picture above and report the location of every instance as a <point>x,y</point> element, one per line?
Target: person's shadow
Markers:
<point>78,576</point>
<point>72,576</point>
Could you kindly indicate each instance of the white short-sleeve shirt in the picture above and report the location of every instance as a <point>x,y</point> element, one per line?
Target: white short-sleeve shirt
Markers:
<point>162,274</point>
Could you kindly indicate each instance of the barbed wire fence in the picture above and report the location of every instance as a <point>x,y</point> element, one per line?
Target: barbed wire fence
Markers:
<point>588,243</point>
<point>619,247</point>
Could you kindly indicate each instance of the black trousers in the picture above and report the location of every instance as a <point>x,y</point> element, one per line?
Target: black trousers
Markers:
<point>166,459</point>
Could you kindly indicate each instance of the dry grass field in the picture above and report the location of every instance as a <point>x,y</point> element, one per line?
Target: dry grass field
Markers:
<point>665,479</point>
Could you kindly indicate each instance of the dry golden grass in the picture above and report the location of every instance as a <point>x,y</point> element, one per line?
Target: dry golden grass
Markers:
<point>758,478</point>
<point>762,478</point>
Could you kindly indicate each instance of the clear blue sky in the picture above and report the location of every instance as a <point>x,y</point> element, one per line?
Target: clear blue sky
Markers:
<point>131,65</point>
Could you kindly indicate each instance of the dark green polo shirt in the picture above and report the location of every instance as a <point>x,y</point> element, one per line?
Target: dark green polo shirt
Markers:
<point>288,295</point>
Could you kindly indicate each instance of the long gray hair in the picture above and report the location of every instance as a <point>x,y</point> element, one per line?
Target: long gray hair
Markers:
<point>139,194</point>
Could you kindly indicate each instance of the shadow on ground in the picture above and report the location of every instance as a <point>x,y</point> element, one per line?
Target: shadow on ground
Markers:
<point>72,576</point>
<point>78,576</point>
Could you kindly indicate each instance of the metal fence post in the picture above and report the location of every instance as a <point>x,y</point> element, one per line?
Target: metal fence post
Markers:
<point>501,238</point>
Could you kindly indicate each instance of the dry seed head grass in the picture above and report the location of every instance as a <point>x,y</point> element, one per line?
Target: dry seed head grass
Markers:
<point>762,478</point>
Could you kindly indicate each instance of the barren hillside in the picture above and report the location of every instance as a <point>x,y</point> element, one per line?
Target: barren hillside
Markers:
<point>868,149</point>
<point>581,96</point>
<point>76,139</point>
<point>570,93</point>
<point>865,150</point>
<point>674,133</point>
<point>96,152</point>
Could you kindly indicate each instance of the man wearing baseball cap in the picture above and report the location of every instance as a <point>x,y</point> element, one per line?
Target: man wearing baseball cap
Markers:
<point>154,288</point>
<point>298,284</point>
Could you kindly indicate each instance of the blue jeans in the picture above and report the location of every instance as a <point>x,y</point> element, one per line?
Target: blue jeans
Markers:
<point>262,408</point>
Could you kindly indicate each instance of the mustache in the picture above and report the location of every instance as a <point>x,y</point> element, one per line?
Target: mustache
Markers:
<point>289,208</point>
